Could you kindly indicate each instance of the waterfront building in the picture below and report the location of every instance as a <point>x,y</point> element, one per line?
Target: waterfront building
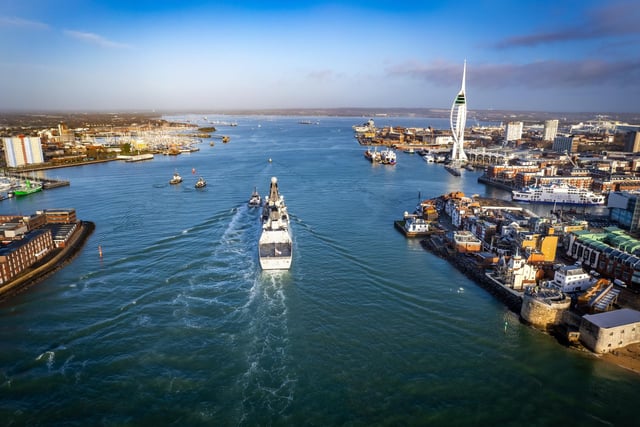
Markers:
<point>458,121</point>
<point>515,272</point>
<point>550,130</point>
<point>604,332</point>
<point>571,278</point>
<point>27,239</point>
<point>513,132</point>
<point>487,156</point>
<point>20,254</point>
<point>59,216</point>
<point>22,150</point>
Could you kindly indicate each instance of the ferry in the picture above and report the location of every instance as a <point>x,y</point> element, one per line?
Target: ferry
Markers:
<point>557,193</point>
<point>275,247</point>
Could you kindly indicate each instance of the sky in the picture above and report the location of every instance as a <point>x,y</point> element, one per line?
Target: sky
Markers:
<point>543,55</point>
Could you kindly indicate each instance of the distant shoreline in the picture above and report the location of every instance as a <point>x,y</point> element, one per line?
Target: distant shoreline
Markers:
<point>126,118</point>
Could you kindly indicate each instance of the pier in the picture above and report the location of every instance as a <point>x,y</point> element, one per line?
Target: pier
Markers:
<point>47,183</point>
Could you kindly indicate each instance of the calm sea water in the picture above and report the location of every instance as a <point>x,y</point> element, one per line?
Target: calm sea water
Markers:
<point>177,325</point>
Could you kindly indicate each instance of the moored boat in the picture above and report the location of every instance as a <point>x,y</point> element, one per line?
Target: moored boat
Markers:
<point>429,158</point>
<point>415,226</point>
<point>388,157</point>
<point>27,188</point>
<point>275,247</point>
<point>372,155</point>
<point>557,193</point>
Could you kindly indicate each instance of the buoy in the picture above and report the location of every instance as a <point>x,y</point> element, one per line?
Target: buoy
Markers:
<point>100,251</point>
<point>269,159</point>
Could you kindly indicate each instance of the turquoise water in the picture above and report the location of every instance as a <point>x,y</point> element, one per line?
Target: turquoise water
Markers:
<point>177,325</point>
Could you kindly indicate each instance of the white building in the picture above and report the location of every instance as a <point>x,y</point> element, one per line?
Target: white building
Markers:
<point>22,150</point>
<point>571,278</point>
<point>550,130</point>
<point>513,131</point>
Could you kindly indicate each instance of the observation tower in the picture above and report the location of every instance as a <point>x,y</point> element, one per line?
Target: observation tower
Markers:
<point>458,121</point>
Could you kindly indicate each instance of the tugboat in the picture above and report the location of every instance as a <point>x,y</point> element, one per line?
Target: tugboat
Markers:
<point>201,183</point>
<point>177,179</point>
<point>275,247</point>
<point>255,200</point>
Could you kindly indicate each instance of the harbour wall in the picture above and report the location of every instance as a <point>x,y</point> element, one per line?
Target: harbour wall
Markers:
<point>469,268</point>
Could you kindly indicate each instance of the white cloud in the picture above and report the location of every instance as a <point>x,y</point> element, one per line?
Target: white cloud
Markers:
<point>12,21</point>
<point>95,39</point>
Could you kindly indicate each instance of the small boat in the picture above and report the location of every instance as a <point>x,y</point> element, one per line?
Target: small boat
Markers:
<point>255,200</point>
<point>372,155</point>
<point>201,183</point>
<point>225,139</point>
<point>177,179</point>
<point>27,188</point>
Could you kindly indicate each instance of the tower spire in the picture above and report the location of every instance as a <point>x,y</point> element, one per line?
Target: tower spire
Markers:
<point>464,75</point>
<point>458,121</point>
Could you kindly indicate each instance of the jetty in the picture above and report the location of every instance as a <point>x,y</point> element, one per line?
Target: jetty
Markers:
<point>47,183</point>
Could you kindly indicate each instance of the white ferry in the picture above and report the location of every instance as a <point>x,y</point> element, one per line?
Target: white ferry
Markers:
<point>275,248</point>
<point>557,193</point>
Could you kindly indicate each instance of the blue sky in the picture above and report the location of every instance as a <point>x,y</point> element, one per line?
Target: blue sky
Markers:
<point>564,56</point>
